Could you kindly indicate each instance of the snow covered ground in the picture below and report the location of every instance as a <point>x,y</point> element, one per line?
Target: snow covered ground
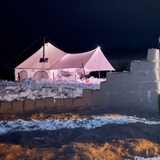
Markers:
<point>141,158</point>
<point>88,123</point>
<point>32,89</point>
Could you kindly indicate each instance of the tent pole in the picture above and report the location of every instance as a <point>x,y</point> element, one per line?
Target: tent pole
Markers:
<point>99,64</point>
<point>84,71</point>
<point>43,45</point>
<point>83,68</point>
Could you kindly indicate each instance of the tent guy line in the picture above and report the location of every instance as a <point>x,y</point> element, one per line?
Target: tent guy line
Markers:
<point>21,53</point>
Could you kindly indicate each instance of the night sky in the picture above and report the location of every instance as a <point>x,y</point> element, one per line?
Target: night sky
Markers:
<point>122,28</point>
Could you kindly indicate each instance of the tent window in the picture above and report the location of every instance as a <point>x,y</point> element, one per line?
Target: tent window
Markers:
<point>65,73</point>
<point>22,75</point>
<point>41,75</point>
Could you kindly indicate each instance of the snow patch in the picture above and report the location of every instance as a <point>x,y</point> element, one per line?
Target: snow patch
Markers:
<point>87,123</point>
<point>29,88</point>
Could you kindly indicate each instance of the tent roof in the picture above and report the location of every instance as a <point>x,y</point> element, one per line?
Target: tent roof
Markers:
<point>73,60</point>
<point>51,52</point>
<point>93,60</point>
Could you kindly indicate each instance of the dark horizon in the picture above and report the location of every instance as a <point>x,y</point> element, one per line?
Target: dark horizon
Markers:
<point>124,29</point>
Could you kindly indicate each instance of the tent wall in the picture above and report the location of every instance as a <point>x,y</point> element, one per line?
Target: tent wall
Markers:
<point>31,73</point>
<point>52,74</point>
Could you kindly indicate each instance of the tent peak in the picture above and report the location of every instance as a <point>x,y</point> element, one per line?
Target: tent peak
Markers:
<point>46,44</point>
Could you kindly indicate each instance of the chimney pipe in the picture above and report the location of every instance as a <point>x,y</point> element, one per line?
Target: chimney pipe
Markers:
<point>43,45</point>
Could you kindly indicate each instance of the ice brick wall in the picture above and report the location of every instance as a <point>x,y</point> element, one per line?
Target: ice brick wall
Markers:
<point>55,104</point>
<point>137,88</point>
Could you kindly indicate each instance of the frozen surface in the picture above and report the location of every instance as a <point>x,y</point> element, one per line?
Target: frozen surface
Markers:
<point>32,89</point>
<point>87,123</point>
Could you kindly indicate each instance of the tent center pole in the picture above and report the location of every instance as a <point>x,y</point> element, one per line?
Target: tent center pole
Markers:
<point>99,65</point>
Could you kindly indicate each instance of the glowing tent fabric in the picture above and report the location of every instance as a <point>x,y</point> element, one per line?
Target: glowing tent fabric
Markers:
<point>52,53</point>
<point>73,60</point>
<point>93,60</point>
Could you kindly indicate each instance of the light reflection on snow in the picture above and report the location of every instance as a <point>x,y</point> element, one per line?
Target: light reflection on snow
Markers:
<point>87,123</point>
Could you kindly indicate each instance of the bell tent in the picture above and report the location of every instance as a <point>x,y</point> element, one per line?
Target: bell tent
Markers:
<point>58,64</point>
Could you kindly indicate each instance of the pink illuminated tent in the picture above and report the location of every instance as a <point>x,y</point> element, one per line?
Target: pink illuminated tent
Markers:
<point>61,64</point>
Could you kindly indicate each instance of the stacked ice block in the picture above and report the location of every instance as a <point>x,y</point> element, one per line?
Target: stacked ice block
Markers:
<point>137,88</point>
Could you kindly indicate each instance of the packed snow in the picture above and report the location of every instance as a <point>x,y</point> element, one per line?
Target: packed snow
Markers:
<point>32,89</point>
<point>87,123</point>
